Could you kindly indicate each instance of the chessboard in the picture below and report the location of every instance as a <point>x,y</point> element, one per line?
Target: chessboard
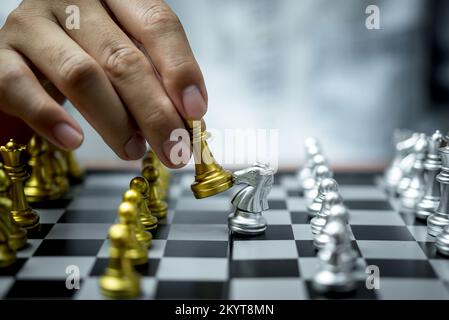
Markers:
<point>194,256</point>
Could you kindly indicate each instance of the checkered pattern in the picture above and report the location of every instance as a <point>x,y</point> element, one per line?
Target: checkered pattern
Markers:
<point>194,256</point>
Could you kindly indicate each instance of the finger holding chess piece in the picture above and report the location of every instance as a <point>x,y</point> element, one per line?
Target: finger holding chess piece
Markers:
<point>120,280</point>
<point>144,237</point>
<point>140,184</point>
<point>14,164</point>
<point>156,204</point>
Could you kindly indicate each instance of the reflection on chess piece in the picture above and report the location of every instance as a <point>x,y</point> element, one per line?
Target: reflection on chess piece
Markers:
<point>5,201</point>
<point>163,182</point>
<point>327,185</point>
<point>7,254</point>
<point>157,206</point>
<point>73,171</point>
<point>319,221</point>
<point>13,159</point>
<point>127,213</point>
<point>120,280</point>
<point>144,237</point>
<point>210,177</point>
<point>39,187</point>
<point>140,184</point>
<point>56,168</point>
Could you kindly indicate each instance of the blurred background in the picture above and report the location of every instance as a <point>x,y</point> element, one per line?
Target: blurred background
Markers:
<point>312,68</point>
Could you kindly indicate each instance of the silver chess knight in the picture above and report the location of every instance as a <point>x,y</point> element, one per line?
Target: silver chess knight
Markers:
<point>252,200</point>
<point>432,167</point>
<point>327,185</point>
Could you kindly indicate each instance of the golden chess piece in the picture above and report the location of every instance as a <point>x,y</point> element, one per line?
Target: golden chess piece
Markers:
<point>57,169</point>
<point>13,161</point>
<point>120,280</point>
<point>5,201</point>
<point>128,215</point>
<point>163,182</point>
<point>140,184</point>
<point>39,187</point>
<point>210,177</point>
<point>17,236</point>
<point>144,237</point>
<point>7,254</point>
<point>73,170</point>
<point>157,206</point>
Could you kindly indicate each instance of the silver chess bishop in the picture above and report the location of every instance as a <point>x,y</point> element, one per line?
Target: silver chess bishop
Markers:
<point>252,200</point>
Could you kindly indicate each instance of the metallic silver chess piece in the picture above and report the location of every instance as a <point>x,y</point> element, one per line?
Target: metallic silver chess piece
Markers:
<point>252,200</point>
<point>327,185</point>
<point>432,167</point>
<point>307,179</point>
<point>402,162</point>
<point>318,222</point>
<point>312,148</point>
<point>337,212</point>
<point>440,218</point>
<point>416,187</point>
<point>442,242</point>
<point>335,274</point>
<point>321,172</point>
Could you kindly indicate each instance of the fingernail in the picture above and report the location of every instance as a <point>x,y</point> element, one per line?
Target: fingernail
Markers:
<point>67,136</point>
<point>135,148</point>
<point>179,156</point>
<point>194,105</point>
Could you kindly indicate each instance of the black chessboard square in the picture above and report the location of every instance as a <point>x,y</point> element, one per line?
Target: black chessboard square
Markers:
<point>277,204</point>
<point>359,293</point>
<point>40,289</point>
<point>264,268</point>
<point>101,191</point>
<point>199,249</point>
<point>190,290</point>
<point>295,194</point>
<point>161,232</point>
<point>356,178</point>
<point>368,205</point>
<point>54,204</point>
<point>403,268</point>
<point>200,217</point>
<point>12,269</point>
<point>300,217</point>
<point>69,247</point>
<point>306,248</point>
<point>273,232</point>
<point>147,270</point>
<point>88,216</point>
<point>40,232</point>
<point>387,233</point>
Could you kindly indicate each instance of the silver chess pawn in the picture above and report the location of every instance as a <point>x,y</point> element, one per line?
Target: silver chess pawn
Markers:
<point>432,167</point>
<point>308,177</point>
<point>319,221</point>
<point>335,274</point>
<point>312,148</point>
<point>440,218</point>
<point>320,172</point>
<point>327,185</point>
<point>442,242</point>
<point>411,195</point>
<point>252,200</point>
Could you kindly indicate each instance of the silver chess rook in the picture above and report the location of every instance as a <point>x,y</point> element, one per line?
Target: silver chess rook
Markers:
<point>252,200</point>
<point>440,218</point>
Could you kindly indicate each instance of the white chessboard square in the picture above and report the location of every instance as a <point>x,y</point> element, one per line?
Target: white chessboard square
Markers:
<point>376,218</point>
<point>268,289</point>
<point>209,204</point>
<point>277,193</point>
<point>50,215</point>
<point>302,232</point>
<point>29,249</point>
<point>5,285</point>
<point>296,204</point>
<point>264,249</point>
<point>205,232</point>
<point>391,250</point>
<point>290,182</point>
<point>90,289</point>
<point>79,231</point>
<point>441,267</point>
<point>308,267</point>
<point>420,234</point>
<point>277,217</point>
<point>114,180</point>
<point>412,289</point>
<point>197,269</point>
<point>54,267</point>
<point>351,192</point>
<point>95,203</point>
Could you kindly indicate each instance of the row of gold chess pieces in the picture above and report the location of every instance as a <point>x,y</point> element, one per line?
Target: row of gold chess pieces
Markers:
<point>29,174</point>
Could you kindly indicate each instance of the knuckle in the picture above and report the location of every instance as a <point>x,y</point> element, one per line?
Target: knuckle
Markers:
<point>16,19</point>
<point>10,75</point>
<point>123,61</point>
<point>76,70</point>
<point>159,18</point>
<point>155,116</point>
<point>180,68</point>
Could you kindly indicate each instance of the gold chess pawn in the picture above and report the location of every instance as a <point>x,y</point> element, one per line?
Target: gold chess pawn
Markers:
<point>56,168</point>
<point>163,182</point>
<point>5,201</point>
<point>157,206</point>
<point>120,280</point>
<point>210,177</point>
<point>128,215</point>
<point>7,254</point>
<point>149,221</point>
<point>39,187</point>
<point>144,237</point>
<point>13,159</point>
<point>72,169</point>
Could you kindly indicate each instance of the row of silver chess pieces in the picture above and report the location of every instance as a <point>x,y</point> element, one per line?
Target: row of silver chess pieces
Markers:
<point>418,180</point>
<point>329,223</point>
